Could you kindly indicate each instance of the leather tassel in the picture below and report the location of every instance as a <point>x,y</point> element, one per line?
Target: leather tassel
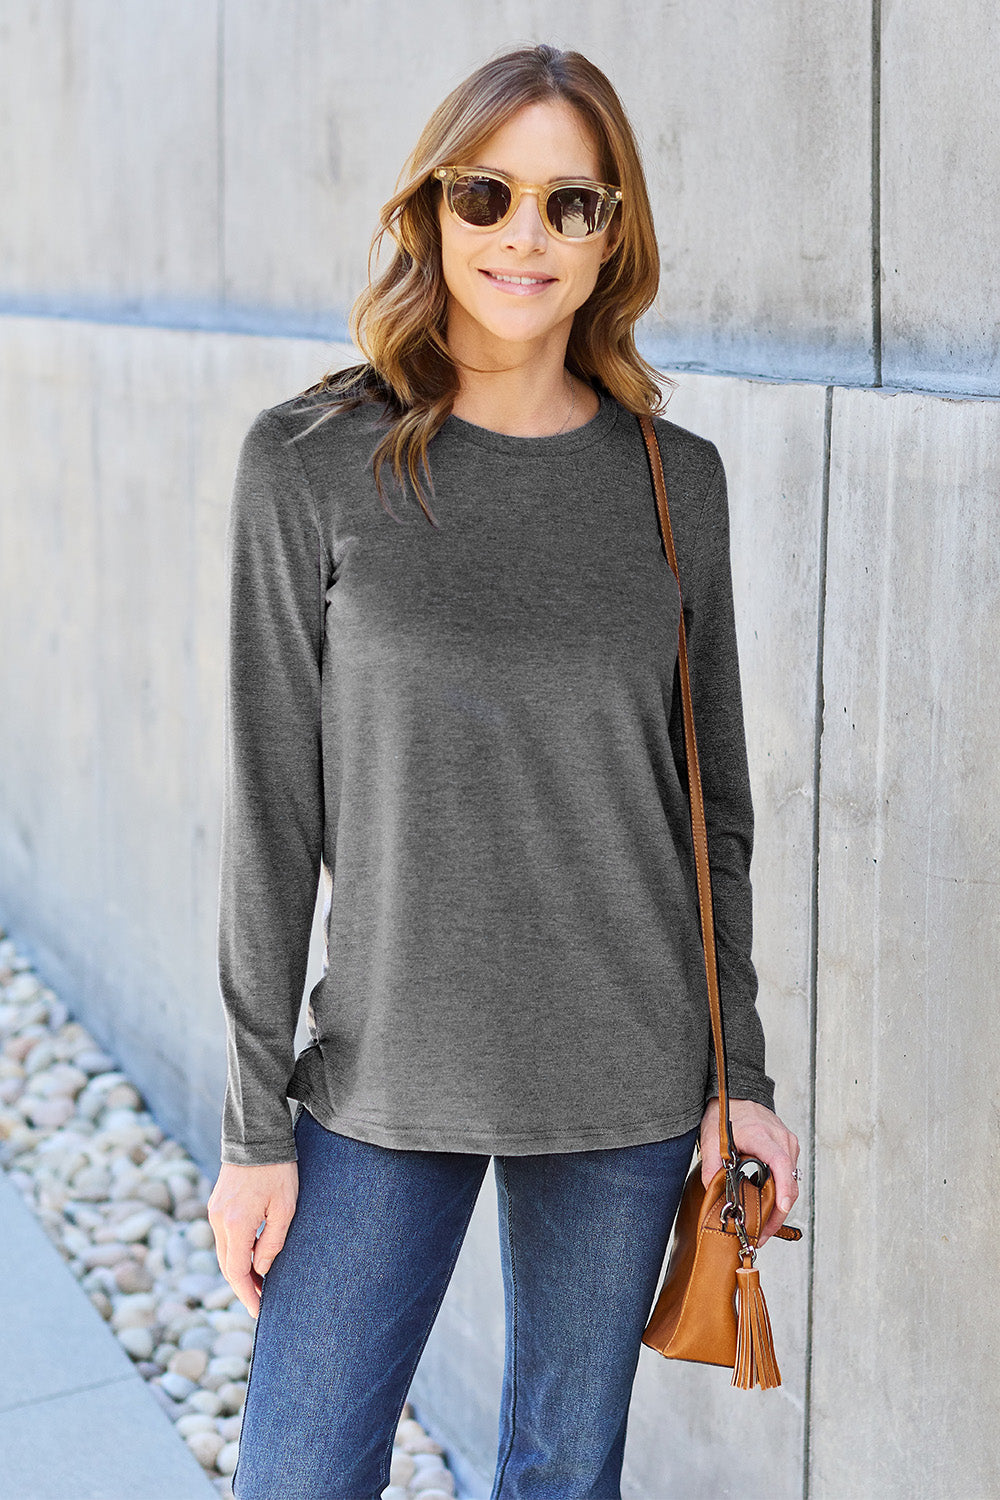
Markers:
<point>755,1361</point>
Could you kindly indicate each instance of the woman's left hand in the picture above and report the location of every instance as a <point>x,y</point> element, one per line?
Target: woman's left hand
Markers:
<point>756,1132</point>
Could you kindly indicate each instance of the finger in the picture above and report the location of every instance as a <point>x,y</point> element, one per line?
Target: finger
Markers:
<point>246,1284</point>
<point>775,1220</point>
<point>711,1162</point>
<point>236,1264</point>
<point>270,1240</point>
<point>773,1224</point>
<point>247,1289</point>
<point>786,1191</point>
<point>221,1239</point>
<point>236,1268</point>
<point>786,1181</point>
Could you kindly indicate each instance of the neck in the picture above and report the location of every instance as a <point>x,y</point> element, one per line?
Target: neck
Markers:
<point>534,397</point>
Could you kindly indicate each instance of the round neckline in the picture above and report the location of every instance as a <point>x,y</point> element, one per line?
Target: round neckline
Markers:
<point>536,447</point>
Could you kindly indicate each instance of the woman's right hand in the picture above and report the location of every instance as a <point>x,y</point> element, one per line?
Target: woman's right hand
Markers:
<point>241,1199</point>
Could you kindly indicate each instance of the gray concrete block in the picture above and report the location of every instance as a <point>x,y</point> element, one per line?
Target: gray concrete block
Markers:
<point>110,154</point>
<point>308,161</point>
<point>771,440</point>
<point>756,139</point>
<point>225,165</point>
<point>688,1428</point>
<point>113,587</point>
<point>54,1340</point>
<point>905,1327</point>
<point>75,1417</point>
<point>107,1443</point>
<point>940,164</point>
<point>755,126</point>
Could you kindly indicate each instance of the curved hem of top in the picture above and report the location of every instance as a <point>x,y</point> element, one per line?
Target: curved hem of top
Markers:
<point>553,446</point>
<point>499,1143</point>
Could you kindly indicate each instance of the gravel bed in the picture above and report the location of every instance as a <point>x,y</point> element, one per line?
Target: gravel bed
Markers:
<point>126,1207</point>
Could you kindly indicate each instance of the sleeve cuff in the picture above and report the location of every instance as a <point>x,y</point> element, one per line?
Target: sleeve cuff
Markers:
<point>258,1153</point>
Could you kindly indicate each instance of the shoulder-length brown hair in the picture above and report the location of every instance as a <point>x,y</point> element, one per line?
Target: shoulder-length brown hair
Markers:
<point>399,320</point>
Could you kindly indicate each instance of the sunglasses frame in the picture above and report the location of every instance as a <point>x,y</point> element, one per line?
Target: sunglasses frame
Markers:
<point>610,198</point>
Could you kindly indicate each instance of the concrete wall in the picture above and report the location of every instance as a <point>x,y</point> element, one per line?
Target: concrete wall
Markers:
<point>822,176</point>
<point>112,532</point>
<point>906,1119</point>
<point>189,190</point>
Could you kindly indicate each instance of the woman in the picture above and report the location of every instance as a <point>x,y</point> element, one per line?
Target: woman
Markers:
<point>463,701</point>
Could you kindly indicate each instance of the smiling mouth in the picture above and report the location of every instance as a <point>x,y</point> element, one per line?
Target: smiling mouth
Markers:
<point>509,281</point>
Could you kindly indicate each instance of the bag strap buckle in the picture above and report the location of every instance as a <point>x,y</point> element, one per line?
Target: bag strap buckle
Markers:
<point>741,1172</point>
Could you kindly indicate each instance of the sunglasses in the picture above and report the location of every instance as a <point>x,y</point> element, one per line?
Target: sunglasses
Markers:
<point>570,209</point>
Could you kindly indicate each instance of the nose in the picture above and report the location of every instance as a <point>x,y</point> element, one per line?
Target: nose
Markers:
<point>524,230</point>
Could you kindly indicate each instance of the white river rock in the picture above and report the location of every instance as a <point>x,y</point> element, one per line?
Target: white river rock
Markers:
<point>127,1208</point>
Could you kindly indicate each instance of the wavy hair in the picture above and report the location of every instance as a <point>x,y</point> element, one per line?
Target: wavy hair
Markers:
<point>399,320</point>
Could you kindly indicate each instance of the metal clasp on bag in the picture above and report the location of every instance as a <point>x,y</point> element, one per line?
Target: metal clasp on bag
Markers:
<point>740,1170</point>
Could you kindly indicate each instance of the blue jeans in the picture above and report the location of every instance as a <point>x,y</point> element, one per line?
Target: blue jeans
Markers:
<point>350,1300</point>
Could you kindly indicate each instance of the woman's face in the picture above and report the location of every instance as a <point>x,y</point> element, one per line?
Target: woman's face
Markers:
<point>488,313</point>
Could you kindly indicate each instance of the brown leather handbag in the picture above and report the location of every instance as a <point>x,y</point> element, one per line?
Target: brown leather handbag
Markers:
<point>711,1308</point>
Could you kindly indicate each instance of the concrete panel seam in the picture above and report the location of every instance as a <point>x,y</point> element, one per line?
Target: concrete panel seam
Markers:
<point>245,321</point>
<point>188,316</point>
<point>820,711</point>
<point>876,169</point>
<point>220,147</point>
<point>129,1378</point>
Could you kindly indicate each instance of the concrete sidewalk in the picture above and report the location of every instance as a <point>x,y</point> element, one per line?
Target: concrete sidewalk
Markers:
<point>76,1419</point>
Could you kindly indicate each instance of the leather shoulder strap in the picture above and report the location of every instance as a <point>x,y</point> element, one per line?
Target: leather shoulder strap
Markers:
<point>699,832</point>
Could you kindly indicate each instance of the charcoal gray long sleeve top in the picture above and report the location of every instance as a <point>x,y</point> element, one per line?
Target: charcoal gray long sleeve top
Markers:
<point>477,729</point>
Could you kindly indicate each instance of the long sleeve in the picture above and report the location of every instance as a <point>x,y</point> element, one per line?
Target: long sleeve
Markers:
<point>272,815</point>
<point>706,585</point>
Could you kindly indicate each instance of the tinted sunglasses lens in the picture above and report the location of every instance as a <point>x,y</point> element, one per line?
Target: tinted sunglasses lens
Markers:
<point>481,201</point>
<point>575,212</point>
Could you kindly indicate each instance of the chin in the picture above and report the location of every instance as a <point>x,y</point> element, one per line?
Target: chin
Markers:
<point>518,329</point>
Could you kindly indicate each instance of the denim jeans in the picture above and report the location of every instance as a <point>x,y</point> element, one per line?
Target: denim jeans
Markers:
<point>350,1300</point>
